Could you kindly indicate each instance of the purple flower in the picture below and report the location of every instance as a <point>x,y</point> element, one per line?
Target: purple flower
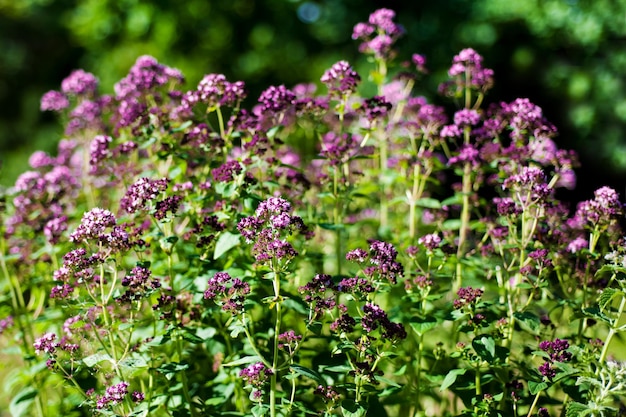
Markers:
<point>46,343</point>
<point>430,241</point>
<point>543,412</point>
<point>54,101</point>
<point>54,228</point>
<point>602,210</point>
<point>227,171</point>
<point>79,83</point>
<point>288,340</point>
<point>144,75</point>
<point>276,99</point>
<point>375,317</point>
<point>93,225</point>
<point>40,159</point>
<point>114,395</point>
<point>466,117</point>
<point>141,192</point>
<point>138,396</point>
<point>228,292</point>
<point>316,295</point>
<point>386,32</point>
<point>85,115</point>
<point>341,79</point>
<point>557,351</point>
<point>362,31</point>
<point>578,244</point>
<point>327,393</point>
<point>256,374</point>
<point>468,63</point>
<point>138,283</point>
<point>467,153</point>
<point>420,62</point>
<point>344,324</point>
<point>375,108</point>
<point>467,296</point>
<point>6,323</point>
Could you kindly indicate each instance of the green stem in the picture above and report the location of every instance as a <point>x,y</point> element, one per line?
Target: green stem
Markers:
<point>465,219</point>
<point>532,407</point>
<point>612,331</point>
<point>274,376</point>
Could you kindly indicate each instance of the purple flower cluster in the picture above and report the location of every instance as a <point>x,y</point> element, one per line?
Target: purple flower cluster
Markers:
<point>604,209</point>
<point>430,241</point>
<point>530,185</point>
<point>227,171</point>
<point>268,229</point>
<point>46,343</point>
<point>288,340</point>
<point>467,66</point>
<point>228,292</point>
<point>467,296</point>
<point>375,317</point>
<point>256,375</point>
<point>557,352</point>
<point>77,267</point>
<point>214,90</point>
<point>339,149</point>
<point>139,284</point>
<point>146,74</point>
<point>138,93</point>
<point>6,323</point>
<point>277,100</point>
<point>378,35</point>
<point>42,197</point>
<point>375,108</point>
<point>328,393</point>
<point>98,152</point>
<point>382,261</point>
<point>319,293</point>
<point>54,101</point>
<point>113,395</point>
<point>341,80</point>
<point>79,83</point>
<point>99,225</point>
<point>143,191</point>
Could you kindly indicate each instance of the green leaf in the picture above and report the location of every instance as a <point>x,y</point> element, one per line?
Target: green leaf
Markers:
<point>528,321</point>
<point>243,361</point>
<point>606,297</point>
<point>423,325</point>
<point>192,337</point>
<point>427,202</point>
<point>296,305</point>
<point>452,224</point>
<point>96,358</point>
<point>534,387</point>
<point>596,313</point>
<point>214,401</point>
<point>451,378</point>
<point>575,409</point>
<point>169,370</point>
<point>224,243</point>
<point>309,373</point>
<point>485,347</point>
<point>331,226</point>
<point>351,408</point>
<point>20,404</point>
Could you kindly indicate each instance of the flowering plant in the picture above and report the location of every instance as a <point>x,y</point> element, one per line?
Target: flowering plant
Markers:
<point>182,255</point>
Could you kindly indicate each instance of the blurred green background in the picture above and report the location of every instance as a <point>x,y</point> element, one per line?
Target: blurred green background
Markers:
<point>568,56</point>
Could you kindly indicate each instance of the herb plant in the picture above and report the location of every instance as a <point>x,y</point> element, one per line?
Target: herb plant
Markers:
<point>184,254</point>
